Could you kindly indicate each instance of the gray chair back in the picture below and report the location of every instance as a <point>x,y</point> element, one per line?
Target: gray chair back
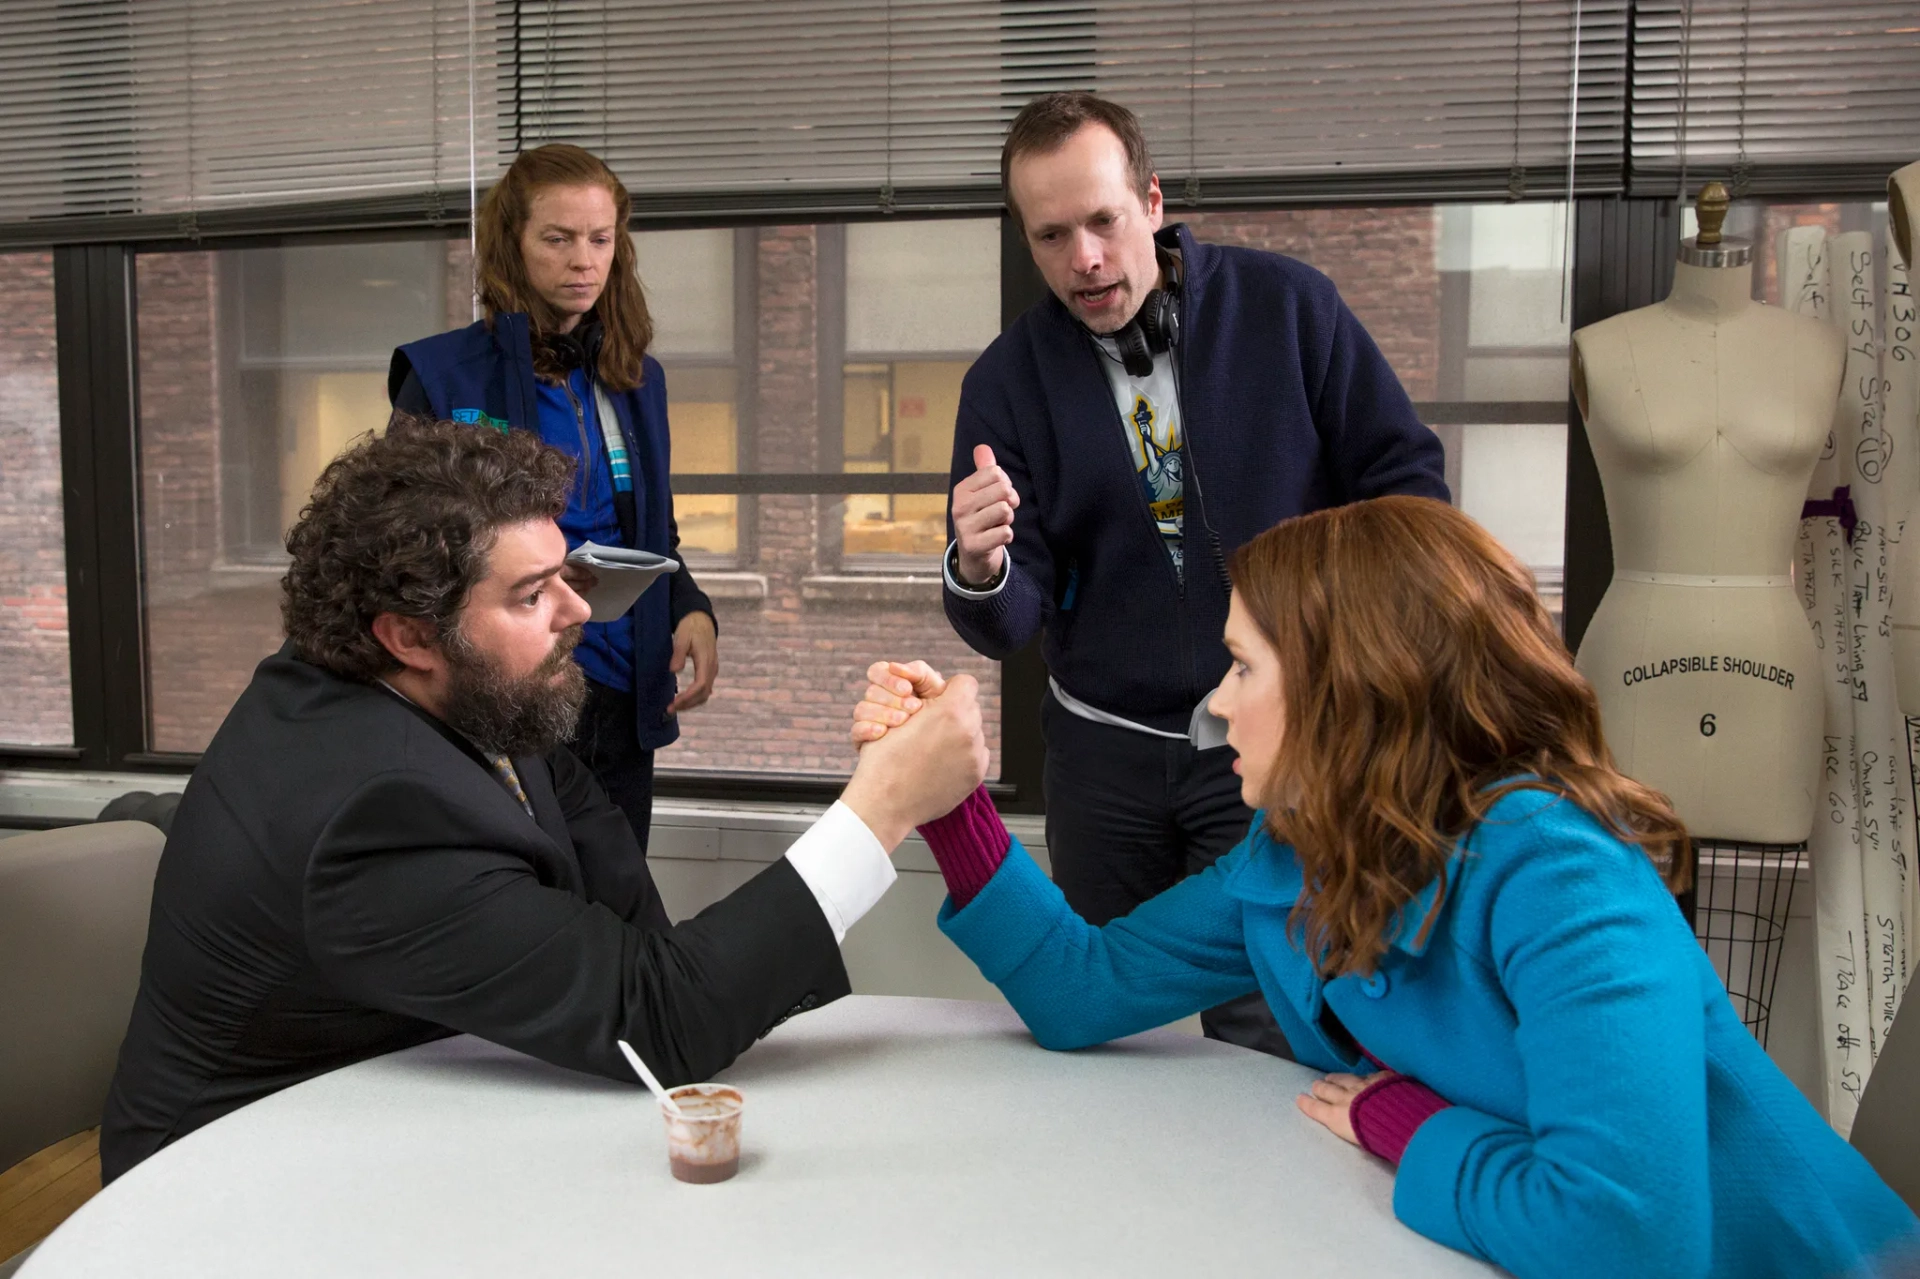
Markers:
<point>1886,1129</point>
<point>73,923</point>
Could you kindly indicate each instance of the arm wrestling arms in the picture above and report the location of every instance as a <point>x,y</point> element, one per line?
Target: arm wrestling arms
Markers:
<point>1076,985</point>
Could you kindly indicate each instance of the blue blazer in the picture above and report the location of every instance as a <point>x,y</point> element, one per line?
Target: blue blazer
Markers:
<point>1611,1115</point>
<point>484,374</point>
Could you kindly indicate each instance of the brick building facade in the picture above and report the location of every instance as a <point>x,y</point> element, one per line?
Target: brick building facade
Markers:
<point>35,708</point>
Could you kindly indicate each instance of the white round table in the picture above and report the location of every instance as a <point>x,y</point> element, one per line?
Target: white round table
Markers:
<point>882,1136</point>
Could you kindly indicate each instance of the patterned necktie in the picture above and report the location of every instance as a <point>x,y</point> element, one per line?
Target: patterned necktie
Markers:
<point>503,769</point>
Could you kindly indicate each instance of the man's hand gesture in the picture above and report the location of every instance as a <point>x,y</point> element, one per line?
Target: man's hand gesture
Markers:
<point>983,507</point>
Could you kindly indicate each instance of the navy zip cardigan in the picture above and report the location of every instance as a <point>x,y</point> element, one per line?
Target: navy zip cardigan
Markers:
<point>484,374</point>
<point>1286,406</point>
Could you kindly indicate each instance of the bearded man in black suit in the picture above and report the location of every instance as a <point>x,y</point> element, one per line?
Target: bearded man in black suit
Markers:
<point>387,841</point>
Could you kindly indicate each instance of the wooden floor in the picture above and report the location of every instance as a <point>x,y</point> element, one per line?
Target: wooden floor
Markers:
<point>45,1188</point>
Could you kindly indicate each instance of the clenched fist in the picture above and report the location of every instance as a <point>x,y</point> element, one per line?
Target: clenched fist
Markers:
<point>983,507</point>
<point>925,765</point>
<point>895,690</point>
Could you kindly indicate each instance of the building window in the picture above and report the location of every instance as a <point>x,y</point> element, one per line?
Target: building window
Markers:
<point>311,331</point>
<point>38,707</point>
<point>922,301</point>
<point>858,336</point>
<point>692,280</point>
<point>256,367</point>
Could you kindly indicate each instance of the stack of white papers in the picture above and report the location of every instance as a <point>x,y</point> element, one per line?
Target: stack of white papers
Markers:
<point>623,575</point>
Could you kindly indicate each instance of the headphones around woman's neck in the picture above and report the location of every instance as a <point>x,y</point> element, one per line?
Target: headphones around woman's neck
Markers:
<point>579,349</point>
<point>1155,327</point>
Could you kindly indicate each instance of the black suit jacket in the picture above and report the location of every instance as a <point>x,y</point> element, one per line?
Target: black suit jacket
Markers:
<point>346,877</point>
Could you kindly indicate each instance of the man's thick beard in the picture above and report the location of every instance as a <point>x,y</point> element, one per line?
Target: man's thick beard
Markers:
<point>505,716</point>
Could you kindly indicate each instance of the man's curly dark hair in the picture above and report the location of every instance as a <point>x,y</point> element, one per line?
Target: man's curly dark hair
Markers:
<point>403,523</point>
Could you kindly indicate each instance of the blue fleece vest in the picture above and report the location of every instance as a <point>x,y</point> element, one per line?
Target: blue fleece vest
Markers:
<point>484,375</point>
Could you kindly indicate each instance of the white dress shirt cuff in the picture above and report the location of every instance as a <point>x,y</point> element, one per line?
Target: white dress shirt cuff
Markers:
<point>954,584</point>
<point>844,865</point>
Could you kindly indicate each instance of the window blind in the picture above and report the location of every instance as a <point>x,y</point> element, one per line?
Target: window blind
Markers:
<point>822,106</point>
<point>1795,96</point>
<point>176,117</point>
<point>158,118</point>
<point>136,119</point>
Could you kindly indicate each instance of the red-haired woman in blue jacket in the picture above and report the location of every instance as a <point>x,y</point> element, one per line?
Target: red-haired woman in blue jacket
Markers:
<point>563,351</point>
<point>1454,904</point>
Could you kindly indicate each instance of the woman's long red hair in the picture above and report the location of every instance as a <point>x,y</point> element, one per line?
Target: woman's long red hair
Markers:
<point>1422,676</point>
<point>502,275</point>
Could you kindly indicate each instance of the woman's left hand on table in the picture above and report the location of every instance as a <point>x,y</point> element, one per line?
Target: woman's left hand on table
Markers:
<point>1329,1102</point>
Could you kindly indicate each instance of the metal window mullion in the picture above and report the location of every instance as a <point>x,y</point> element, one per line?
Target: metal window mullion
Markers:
<point>94,325</point>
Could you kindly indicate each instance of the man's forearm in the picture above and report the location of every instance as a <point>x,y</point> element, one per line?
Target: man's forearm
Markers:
<point>843,860</point>
<point>999,624</point>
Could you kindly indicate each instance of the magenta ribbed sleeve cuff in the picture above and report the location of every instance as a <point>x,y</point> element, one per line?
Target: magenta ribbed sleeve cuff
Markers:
<point>969,843</point>
<point>1385,1115</point>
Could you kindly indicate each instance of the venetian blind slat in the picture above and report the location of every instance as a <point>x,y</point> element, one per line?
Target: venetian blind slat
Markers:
<point>144,109</point>
<point>1772,91</point>
<point>731,96</point>
<point>138,108</point>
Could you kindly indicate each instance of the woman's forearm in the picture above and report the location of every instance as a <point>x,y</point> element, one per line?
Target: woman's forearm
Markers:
<point>969,844</point>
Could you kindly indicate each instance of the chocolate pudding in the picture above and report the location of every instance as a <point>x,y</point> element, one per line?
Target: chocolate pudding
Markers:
<point>701,1174</point>
<point>703,1140</point>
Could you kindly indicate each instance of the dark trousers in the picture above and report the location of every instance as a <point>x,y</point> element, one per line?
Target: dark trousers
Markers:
<point>1128,817</point>
<point>607,743</point>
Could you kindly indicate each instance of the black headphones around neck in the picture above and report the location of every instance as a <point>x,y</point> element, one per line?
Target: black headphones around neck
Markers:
<point>1155,327</point>
<point>579,349</point>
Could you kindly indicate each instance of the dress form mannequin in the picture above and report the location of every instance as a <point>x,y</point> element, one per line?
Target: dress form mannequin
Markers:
<point>1903,208</point>
<point>1707,413</point>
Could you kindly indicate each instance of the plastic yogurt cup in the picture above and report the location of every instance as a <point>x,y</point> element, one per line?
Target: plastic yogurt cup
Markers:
<point>703,1142</point>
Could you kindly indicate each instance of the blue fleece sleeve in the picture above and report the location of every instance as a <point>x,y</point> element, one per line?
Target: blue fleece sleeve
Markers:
<point>1608,1175</point>
<point>1375,441</point>
<point>1005,623</point>
<point>1076,985</point>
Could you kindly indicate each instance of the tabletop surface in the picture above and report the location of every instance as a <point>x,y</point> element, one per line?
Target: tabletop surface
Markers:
<point>882,1136</point>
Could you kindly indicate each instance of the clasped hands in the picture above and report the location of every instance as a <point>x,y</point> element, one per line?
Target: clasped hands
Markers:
<point>922,748</point>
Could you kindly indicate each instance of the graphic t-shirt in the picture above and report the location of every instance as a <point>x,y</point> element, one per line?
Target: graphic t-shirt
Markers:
<point>1150,420</point>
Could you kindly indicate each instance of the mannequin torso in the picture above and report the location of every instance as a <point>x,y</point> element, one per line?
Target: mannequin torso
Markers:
<point>1706,413</point>
<point>1903,207</point>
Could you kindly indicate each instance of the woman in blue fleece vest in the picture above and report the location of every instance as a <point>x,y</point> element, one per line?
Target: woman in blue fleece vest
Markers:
<point>563,351</point>
<point>1453,903</point>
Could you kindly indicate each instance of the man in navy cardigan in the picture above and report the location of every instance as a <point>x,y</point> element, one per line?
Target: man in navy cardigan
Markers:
<point>1114,445</point>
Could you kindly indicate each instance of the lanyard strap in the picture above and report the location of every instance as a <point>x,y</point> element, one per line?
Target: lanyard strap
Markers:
<point>617,462</point>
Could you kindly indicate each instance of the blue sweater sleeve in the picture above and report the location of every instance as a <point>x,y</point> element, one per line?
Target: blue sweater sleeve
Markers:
<point>1005,623</point>
<point>1076,985</point>
<point>1608,1175</point>
<point>1375,441</point>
